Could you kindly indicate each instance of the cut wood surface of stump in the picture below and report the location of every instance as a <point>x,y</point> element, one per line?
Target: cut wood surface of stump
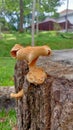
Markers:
<point>45,106</point>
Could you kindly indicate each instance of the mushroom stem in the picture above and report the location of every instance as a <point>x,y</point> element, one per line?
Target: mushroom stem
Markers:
<point>36,74</point>
<point>32,64</point>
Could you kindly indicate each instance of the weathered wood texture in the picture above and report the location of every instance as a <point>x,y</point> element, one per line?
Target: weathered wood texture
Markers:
<point>48,106</point>
<point>6,102</point>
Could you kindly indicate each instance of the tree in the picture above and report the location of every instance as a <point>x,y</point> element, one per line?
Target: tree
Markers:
<point>16,6</point>
<point>66,26</point>
<point>41,6</point>
<point>21,16</point>
<point>33,19</point>
<point>25,7</point>
<point>37,16</point>
<point>19,7</point>
<point>50,5</point>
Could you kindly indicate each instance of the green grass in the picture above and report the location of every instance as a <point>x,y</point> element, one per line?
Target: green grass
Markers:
<point>53,39</point>
<point>7,119</point>
<point>6,71</point>
<point>9,40</point>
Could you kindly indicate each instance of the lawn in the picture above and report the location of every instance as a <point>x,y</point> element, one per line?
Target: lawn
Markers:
<point>6,71</point>
<point>52,39</point>
<point>7,119</point>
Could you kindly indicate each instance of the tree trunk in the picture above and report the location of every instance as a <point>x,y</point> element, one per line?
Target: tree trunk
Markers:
<point>66,26</point>
<point>21,16</point>
<point>33,24</point>
<point>37,18</point>
<point>48,106</point>
<point>37,24</point>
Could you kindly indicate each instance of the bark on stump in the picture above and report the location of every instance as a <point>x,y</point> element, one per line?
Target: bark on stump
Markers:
<point>48,106</point>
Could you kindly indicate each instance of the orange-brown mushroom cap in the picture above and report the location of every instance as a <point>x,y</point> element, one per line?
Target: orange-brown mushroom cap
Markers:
<point>29,53</point>
<point>15,49</point>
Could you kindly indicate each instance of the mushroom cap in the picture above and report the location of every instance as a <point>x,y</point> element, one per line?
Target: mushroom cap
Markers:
<point>29,53</point>
<point>15,49</point>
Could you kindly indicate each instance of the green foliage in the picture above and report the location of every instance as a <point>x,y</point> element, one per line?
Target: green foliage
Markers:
<point>50,5</point>
<point>3,23</point>
<point>14,5</point>
<point>7,119</point>
<point>11,6</point>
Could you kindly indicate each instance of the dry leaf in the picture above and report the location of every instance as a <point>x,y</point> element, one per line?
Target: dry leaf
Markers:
<point>2,120</point>
<point>15,128</point>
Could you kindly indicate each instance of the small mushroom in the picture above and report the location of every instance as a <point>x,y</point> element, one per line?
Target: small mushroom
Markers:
<point>36,74</point>
<point>17,95</point>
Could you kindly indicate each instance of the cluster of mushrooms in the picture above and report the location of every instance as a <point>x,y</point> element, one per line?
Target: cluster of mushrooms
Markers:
<point>36,75</point>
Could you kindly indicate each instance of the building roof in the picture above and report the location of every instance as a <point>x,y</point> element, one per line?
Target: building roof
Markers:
<point>60,19</point>
<point>64,11</point>
<point>49,19</point>
<point>69,11</point>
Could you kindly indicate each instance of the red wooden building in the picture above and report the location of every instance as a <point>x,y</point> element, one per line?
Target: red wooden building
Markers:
<point>50,25</point>
<point>58,23</point>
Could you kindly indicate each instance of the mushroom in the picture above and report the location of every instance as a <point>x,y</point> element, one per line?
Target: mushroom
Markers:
<point>17,95</point>
<point>36,74</point>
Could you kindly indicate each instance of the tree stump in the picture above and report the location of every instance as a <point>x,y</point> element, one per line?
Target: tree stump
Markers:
<point>48,106</point>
